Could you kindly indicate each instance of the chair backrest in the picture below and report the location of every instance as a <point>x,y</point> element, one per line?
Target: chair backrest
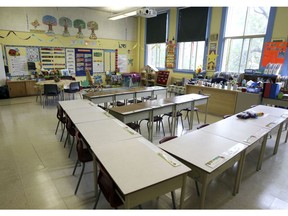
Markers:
<point>165,139</point>
<point>60,113</point>
<point>108,187</point>
<point>70,127</point>
<point>75,86</point>
<point>51,89</point>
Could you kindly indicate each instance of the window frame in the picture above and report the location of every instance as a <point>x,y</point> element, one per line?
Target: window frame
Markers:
<point>221,42</point>
<point>208,26</point>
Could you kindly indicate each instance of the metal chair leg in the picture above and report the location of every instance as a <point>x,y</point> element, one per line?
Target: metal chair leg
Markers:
<point>71,147</point>
<point>173,199</point>
<point>75,167</point>
<point>80,177</point>
<point>57,127</point>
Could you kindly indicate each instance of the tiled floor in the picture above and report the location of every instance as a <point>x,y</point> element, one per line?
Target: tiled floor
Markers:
<point>36,172</point>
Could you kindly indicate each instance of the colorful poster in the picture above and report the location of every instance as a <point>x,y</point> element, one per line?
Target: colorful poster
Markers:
<point>84,62</point>
<point>274,52</point>
<point>211,62</point>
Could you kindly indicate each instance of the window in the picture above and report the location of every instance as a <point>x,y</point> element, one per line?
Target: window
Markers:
<point>244,38</point>
<point>190,55</point>
<point>191,36</point>
<point>156,35</point>
<point>156,54</point>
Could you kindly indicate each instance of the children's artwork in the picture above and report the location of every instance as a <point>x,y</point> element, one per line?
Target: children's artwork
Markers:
<point>170,54</point>
<point>92,25</point>
<point>32,54</point>
<point>274,52</point>
<point>211,63</point>
<point>79,24</point>
<point>65,22</point>
<point>50,21</point>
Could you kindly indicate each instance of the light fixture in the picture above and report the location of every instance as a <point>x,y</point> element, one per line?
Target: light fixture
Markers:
<point>123,15</point>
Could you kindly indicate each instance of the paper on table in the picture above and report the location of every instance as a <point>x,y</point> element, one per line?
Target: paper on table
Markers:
<point>215,161</point>
<point>169,160</point>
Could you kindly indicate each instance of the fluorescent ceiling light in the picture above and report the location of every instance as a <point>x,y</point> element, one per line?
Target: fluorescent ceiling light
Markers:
<point>123,15</point>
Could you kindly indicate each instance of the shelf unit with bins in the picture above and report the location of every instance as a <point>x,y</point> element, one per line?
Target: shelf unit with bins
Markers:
<point>53,58</point>
<point>148,79</point>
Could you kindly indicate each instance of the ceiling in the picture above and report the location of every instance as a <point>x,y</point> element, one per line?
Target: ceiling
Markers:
<point>116,10</point>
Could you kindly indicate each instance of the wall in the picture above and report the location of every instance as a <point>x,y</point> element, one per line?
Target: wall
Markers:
<point>16,29</point>
<point>279,31</point>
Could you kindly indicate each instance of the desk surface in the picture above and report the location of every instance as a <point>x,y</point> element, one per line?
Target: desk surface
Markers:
<point>200,147</point>
<point>76,104</point>
<point>87,114</point>
<point>138,168</point>
<point>237,130</point>
<point>279,112</point>
<point>106,131</point>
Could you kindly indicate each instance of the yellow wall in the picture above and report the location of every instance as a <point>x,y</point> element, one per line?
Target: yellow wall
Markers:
<point>280,30</point>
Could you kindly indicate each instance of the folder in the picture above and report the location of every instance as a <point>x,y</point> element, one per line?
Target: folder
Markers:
<point>267,88</point>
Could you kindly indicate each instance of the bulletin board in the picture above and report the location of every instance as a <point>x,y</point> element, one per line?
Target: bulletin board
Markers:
<point>109,60</point>
<point>98,61</point>
<point>84,62</point>
<point>274,52</point>
<point>17,58</point>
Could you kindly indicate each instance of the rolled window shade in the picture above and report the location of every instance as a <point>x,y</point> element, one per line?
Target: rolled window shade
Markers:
<point>156,29</point>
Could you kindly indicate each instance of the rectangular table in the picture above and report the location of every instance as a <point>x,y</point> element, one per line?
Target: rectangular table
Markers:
<point>238,130</point>
<point>76,104</point>
<point>140,173</point>
<point>88,114</point>
<point>197,148</point>
<point>282,116</point>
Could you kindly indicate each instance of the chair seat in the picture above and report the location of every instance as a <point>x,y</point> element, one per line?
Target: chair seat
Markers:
<point>85,156</point>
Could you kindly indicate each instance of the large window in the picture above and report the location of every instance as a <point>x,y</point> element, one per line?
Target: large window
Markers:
<point>156,36</point>
<point>191,36</point>
<point>244,37</point>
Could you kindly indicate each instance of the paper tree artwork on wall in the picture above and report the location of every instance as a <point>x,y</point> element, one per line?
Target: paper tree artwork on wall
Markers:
<point>35,24</point>
<point>79,24</point>
<point>65,22</point>
<point>92,25</point>
<point>50,21</point>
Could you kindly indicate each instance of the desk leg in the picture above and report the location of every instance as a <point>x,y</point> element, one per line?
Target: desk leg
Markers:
<point>240,169</point>
<point>183,188</point>
<point>95,174</point>
<point>173,126</point>
<point>278,138</point>
<point>203,191</point>
<point>150,126</point>
<point>206,110</point>
<point>263,147</point>
<point>191,116</point>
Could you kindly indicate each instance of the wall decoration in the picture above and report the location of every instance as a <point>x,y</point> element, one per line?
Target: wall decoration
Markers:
<point>70,60</point>
<point>65,22</point>
<point>211,62</point>
<point>92,25</point>
<point>35,24</point>
<point>274,52</point>
<point>98,58</point>
<point>83,59</point>
<point>79,24</point>
<point>32,54</point>
<point>130,62</point>
<point>12,32</point>
<point>53,58</point>
<point>17,61</point>
<point>50,21</point>
<point>170,54</point>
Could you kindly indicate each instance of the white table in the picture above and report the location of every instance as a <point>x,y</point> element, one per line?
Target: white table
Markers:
<point>238,130</point>
<point>76,104</point>
<point>195,149</point>
<point>281,114</point>
<point>139,172</point>
<point>87,114</point>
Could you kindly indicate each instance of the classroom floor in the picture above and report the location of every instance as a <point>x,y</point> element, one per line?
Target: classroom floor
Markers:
<point>36,172</point>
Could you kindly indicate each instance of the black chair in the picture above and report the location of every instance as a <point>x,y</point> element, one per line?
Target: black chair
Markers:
<point>74,87</point>
<point>61,119</point>
<point>218,80</point>
<point>71,131</point>
<point>178,115</point>
<point>187,114</point>
<point>108,187</point>
<point>50,90</point>
<point>134,126</point>
<point>84,156</point>
<point>158,120</point>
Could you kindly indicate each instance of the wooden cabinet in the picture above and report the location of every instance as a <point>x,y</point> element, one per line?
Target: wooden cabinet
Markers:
<point>223,102</point>
<point>21,88</point>
<point>148,79</point>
